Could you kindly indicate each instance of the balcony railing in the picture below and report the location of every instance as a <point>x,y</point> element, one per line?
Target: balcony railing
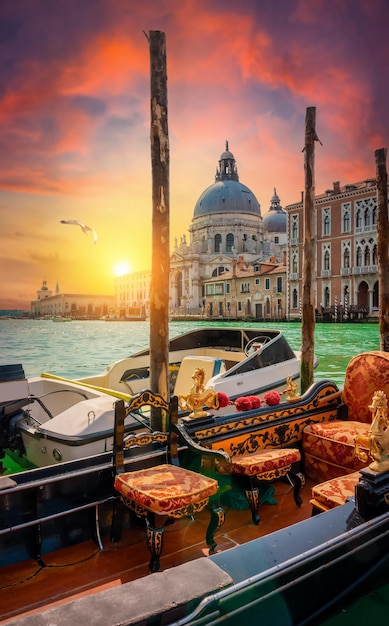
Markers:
<point>365,269</point>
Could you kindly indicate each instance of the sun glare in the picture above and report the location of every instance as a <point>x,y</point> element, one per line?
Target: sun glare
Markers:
<point>122,268</point>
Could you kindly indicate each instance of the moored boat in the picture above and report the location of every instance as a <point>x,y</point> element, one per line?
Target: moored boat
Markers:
<point>237,361</point>
<point>46,421</point>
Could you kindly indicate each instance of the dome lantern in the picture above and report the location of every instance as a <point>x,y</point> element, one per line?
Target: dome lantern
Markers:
<point>227,194</point>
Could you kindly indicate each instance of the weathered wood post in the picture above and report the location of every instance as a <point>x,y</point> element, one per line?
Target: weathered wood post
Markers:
<point>160,160</point>
<point>308,306</point>
<point>383,246</point>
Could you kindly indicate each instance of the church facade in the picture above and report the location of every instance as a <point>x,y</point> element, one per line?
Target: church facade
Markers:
<point>227,227</point>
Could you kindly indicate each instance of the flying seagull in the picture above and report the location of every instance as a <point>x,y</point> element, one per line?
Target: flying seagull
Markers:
<point>84,228</point>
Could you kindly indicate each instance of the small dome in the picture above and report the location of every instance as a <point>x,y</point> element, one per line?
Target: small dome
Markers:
<point>227,155</point>
<point>274,221</point>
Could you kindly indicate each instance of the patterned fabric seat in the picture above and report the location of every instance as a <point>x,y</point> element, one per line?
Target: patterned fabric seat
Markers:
<point>334,492</point>
<point>267,464</point>
<point>329,446</point>
<point>165,489</point>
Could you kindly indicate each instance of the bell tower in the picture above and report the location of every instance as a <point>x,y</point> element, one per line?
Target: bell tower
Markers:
<point>44,291</point>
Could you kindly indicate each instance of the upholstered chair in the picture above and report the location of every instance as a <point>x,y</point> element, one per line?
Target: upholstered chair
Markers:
<point>329,447</point>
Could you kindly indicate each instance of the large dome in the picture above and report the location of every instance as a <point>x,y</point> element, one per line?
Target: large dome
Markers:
<point>227,194</point>
<point>274,221</point>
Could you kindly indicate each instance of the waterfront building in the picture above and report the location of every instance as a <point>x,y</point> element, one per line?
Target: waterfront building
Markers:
<point>132,293</point>
<point>346,264</point>
<point>74,305</point>
<point>248,291</point>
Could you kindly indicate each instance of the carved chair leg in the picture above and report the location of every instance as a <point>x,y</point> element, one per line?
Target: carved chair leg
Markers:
<point>252,495</point>
<point>154,540</point>
<point>216,522</point>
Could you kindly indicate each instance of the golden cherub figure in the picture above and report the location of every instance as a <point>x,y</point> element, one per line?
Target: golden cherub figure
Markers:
<point>377,441</point>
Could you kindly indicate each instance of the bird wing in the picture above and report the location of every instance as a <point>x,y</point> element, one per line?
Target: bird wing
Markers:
<point>88,228</point>
<point>84,227</point>
<point>76,222</point>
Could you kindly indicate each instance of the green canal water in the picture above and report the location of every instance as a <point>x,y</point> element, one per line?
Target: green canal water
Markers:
<point>83,348</point>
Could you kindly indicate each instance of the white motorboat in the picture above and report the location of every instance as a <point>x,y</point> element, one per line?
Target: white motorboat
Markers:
<point>237,361</point>
<point>45,421</point>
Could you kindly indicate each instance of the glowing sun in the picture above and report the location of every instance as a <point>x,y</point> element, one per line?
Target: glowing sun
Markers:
<point>121,268</point>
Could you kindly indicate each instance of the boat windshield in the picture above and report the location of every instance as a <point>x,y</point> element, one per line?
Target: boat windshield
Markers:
<point>276,351</point>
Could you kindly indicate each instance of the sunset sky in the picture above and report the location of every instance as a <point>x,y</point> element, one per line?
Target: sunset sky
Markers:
<point>75,119</point>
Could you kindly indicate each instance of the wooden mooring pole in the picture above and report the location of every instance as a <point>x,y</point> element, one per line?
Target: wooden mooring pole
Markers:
<point>308,303</point>
<point>160,160</point>
<point>383,246</point>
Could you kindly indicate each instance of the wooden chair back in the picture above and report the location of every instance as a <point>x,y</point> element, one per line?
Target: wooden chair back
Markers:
<point>168,438</point>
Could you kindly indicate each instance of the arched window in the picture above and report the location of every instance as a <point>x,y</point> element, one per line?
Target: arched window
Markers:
<point>294,299</point>
<point>326,297</point>
<point>367,256</point>
<point>218,243</point>
<point>359,257</point>
<point>326,260</point>
<point>346,222</point>
<point>375,256</point>
<point>358,219</point>
<point>229,242</point>
<point>326,225</point>
<point>367,217</point>
<point>346,258</point>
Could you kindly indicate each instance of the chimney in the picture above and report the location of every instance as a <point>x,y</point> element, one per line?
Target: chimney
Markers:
<point>241,263</point>
<point>337,187</point>
<point>234,267</point>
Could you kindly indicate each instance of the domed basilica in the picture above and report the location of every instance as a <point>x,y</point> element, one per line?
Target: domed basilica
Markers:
<point>227,226</point>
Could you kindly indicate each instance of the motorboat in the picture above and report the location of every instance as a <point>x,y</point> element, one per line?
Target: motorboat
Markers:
<point>61,318</point>
<point>45,421</point>
<point>237,361</point>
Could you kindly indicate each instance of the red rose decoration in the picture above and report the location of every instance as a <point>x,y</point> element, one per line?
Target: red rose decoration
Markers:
<point>243,403</point>
<point>272,397</point>
<point>222,399</point>
<point>255,402</point>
